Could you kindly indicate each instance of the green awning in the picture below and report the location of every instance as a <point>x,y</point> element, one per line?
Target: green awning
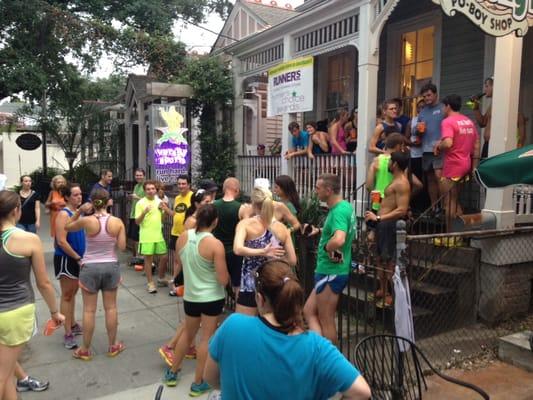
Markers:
<point>511,168</point>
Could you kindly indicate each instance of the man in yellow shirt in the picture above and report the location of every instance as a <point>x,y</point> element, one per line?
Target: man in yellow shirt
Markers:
<point>181,203</point>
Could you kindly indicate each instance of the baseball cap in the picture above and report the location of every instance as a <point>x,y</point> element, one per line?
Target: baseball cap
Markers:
<point>208,185</point>
<point>263,183</point>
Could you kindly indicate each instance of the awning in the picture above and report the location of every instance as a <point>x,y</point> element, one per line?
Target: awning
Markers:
<point>510,168</point>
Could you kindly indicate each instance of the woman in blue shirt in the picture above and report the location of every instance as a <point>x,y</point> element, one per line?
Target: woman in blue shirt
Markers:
<point>272,356</point>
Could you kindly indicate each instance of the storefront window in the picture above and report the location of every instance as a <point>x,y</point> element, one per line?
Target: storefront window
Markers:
<point>416,64</point>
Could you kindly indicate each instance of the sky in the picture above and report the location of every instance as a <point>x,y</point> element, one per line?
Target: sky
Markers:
<point>196,39</point>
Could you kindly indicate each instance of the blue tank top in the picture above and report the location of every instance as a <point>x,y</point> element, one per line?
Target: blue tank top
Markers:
<point>75,239</point>
<point>250,264</point>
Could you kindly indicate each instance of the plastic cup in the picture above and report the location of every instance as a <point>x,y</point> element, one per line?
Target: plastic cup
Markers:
<point>50,327</point>
<point>375,196</point>
<point>421,127</point>
<point>180,290</point>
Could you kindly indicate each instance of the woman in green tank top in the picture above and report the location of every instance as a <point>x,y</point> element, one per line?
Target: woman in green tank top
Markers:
<point>202,258</point>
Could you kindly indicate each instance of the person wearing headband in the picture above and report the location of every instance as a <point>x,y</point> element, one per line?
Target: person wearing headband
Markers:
<point>246,352</point>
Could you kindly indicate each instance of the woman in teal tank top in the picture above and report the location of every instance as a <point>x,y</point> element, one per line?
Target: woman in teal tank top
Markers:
<point>202,258</point>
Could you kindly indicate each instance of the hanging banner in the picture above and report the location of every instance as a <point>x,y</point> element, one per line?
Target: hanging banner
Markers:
<point>494,17</point>
<point>170,150</point>
<point>290,87</point>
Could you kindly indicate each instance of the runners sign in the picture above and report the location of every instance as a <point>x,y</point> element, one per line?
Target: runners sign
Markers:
<point>494,17</point>
<point>290,87</point>
<point>171,151</point>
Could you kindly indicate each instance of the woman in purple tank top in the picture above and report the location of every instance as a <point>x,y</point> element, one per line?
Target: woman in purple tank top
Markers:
<point>100,269</point>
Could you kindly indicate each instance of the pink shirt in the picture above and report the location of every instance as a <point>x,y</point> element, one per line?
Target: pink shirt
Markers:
<point>341,140</point>
<point>458,158</point>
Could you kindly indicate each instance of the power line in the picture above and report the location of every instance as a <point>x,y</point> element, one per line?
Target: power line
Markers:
<point>208,30</point>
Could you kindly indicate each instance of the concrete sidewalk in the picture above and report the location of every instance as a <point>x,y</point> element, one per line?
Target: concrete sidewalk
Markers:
<point>146,321</point>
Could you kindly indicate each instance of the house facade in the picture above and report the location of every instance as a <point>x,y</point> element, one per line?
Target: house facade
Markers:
<point>371,50</point>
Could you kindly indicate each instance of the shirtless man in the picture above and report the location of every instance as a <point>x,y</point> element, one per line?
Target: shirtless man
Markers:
<point>393,207</point>
<point>484,120</point>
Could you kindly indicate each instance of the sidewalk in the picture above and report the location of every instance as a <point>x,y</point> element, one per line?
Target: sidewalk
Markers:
<point>146,321</point>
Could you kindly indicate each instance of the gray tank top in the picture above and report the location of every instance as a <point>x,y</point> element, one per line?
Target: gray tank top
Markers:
<point>15,285</point>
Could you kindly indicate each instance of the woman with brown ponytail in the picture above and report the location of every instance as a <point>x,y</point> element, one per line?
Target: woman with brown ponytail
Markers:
<point>272,356</point>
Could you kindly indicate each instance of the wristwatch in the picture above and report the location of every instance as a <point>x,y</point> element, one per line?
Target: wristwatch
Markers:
<point>378,218</point>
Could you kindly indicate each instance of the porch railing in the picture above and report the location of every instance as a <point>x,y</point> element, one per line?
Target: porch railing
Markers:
<point>523,200</point>
<point>251,167</point>
<point>305,172</point>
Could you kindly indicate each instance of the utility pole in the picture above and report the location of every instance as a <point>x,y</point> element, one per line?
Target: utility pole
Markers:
<point>43,132</point>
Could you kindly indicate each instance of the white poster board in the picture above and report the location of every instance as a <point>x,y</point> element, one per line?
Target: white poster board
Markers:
<point>290,87</point>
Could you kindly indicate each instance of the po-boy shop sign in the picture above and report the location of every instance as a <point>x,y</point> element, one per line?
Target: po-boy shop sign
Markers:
<point>494,17</point>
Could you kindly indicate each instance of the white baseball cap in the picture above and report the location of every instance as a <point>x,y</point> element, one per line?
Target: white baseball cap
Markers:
<point>262,183</point>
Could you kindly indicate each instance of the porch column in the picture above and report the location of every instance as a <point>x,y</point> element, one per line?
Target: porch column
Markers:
<point>367,91</point>
<point>142,138</point>
<point>128,139</point>
<point>238,105</point>
<point>507,66</point>
<point>286,166</point>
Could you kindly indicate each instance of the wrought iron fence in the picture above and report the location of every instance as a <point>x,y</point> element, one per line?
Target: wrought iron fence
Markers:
<point>460,302</point>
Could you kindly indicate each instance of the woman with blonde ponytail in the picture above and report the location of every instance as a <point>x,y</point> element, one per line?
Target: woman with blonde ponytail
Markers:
<point>100,270</point>
<point>258,239</point>
<point>272,356</point>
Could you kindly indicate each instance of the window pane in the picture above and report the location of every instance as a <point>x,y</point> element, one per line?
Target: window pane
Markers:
<point>408,48</point>
<point>408,77</point>
<point>424,49</point>
<point>424,70</point>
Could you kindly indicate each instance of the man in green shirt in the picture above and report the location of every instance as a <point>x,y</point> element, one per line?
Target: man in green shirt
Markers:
<point>334,258</point>
<point>134,197</point>
<point>148,215</point>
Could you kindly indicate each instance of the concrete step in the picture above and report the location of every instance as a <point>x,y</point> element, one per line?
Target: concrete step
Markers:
<point>515,349</point>
<point>444,268</point>
<point>430,289</point>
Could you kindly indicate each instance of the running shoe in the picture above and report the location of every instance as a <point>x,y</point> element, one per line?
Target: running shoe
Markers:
<point>198,389</point>
<point>151,287</point>
<point>84,355</point>
<point>70,341</point>
<point>77,330</point>
<point>215,395</point>
<point>171,378</point>
<point>191,353</point>
<point>167,354</point>
<point>115,349</point>
<point>31,384</point>
<point>162,282</point>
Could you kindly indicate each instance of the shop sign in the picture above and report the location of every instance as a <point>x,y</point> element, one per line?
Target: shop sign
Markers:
<point>290,87</point>
<point>171,151</point>
<point>494,17</point>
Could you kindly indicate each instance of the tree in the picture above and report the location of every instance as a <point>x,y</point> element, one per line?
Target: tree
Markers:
<point>213,91</point>
<point>73,122</point>
<point>38,37</point>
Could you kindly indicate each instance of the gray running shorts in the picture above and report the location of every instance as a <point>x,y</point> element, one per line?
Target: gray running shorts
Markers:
<point>100,276</point>
<point>431,162</point>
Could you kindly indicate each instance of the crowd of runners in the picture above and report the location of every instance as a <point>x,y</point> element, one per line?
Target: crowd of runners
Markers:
<point>222,248</point>
<point>277,344</point>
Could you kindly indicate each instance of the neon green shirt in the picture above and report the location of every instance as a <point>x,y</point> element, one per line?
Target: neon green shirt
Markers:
<point>383,177</point>
<point>139,191</point>
<point>340,218</point>
<point>151,227</point>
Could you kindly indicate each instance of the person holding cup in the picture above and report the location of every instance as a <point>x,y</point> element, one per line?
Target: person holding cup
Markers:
<point>429,128</point>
